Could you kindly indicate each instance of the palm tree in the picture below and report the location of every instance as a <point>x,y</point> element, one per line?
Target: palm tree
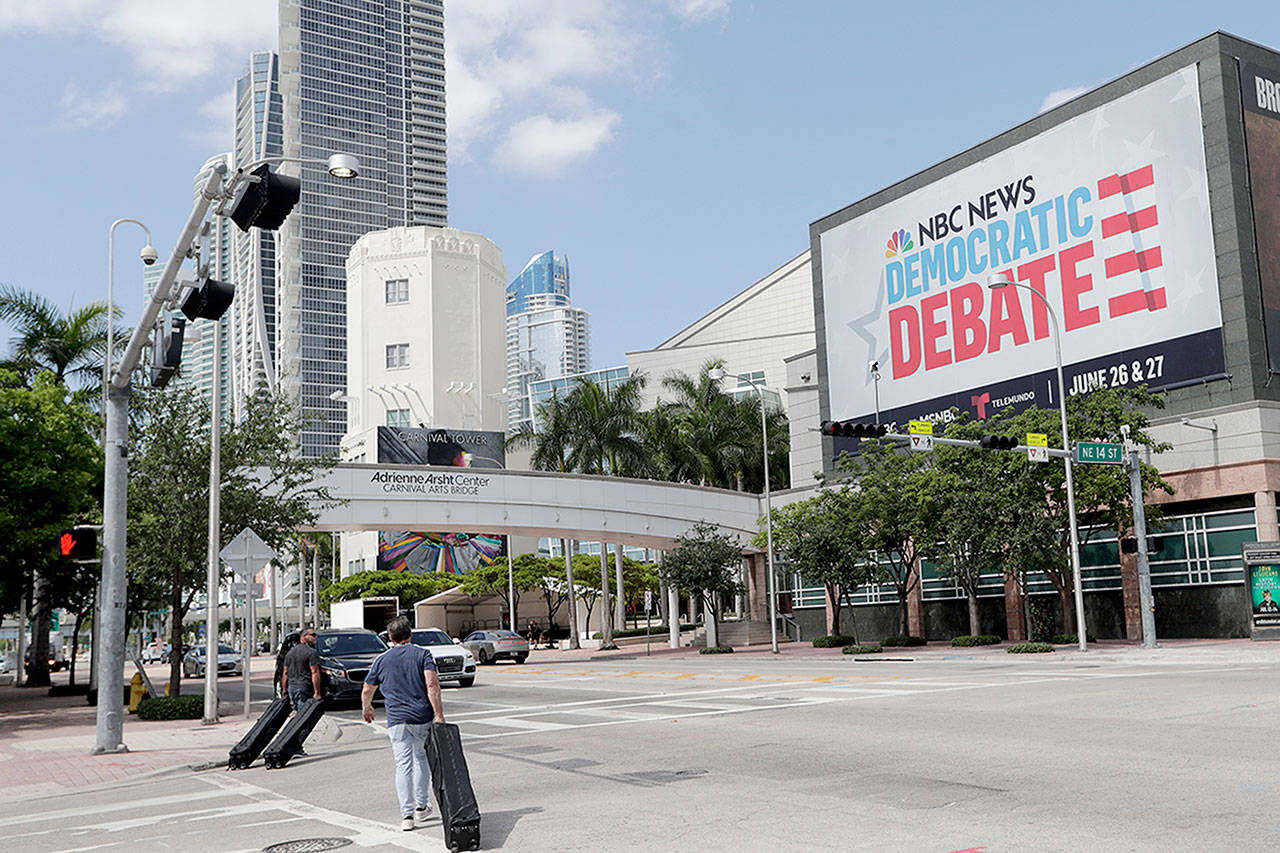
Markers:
<point>710,427</point>
<point>70,346</point>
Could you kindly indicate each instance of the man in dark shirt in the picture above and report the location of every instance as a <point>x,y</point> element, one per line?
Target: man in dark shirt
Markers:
<point>411,690</point>
<point>300,680</point>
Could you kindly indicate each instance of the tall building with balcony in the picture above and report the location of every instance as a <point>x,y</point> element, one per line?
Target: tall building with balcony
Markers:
<point>547,337</point>
<point>363,77</point>
<point>259,133</point>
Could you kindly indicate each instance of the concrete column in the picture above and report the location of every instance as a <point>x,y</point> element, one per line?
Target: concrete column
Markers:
<point>915,605</point>
<point>757,588</point>
<point>673,620</point>
<point>1015,619</point>
<point>1264,507</point>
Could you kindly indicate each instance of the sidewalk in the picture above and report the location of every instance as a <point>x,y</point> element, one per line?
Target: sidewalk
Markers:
<point>46,741</point>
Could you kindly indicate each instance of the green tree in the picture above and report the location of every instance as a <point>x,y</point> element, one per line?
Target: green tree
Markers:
<point>266,485</point>
<point>704,561</point>
<point>825,540</point>
<point>526,574</point>
<point>50,478</point>
<point>70,346</point>
<point>409,587</point>
<point>899,512</point>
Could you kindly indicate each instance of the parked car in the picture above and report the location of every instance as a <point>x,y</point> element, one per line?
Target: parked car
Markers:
<point>345,656</point>
<point>168,651</point>
<point>490,646</point>
<point>454,662</point>
<point>153,653</point>
<point>230,662</point>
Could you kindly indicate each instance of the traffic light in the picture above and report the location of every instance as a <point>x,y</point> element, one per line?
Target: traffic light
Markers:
<point>849,429</point>
<point>1129,544</point>
<point>78,543</point>
<point>998,442</point>
<point>264,199</point>
<point>166,348</point>
<point>209,300</point>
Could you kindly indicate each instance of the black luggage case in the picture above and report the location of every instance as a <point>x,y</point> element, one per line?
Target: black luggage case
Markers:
<point>452,783</point>
<point>257,738</point>
<point>289,742</point>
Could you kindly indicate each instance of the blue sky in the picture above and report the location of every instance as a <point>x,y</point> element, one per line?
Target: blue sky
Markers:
<point>675,150</point>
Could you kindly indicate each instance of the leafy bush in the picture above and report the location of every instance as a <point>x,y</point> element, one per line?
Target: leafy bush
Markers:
<point>832,641</point>
<point>658,628</point>
<point>716,650</point>
<point>861,650</point>
<point>171,708</point>
<point>1029,648</point>
<point>909,640</point>
<point>975,640</point>
<point>1070,639</point>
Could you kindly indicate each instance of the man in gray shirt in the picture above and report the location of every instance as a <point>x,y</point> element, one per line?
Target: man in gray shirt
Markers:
<point>411,690</point>
<point>300,680</point>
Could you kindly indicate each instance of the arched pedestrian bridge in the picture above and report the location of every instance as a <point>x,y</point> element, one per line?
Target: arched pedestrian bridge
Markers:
<point>643,513</point>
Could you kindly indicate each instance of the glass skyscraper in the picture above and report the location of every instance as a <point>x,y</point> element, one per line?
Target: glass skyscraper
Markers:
<point>547,338</point>
<point>364,77</point>
<point>259,129</point>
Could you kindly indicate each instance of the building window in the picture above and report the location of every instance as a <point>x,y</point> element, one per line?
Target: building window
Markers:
<point>397,355</point>
<point>756,376</point>
<point>397,291</point>
<point>398,418</point>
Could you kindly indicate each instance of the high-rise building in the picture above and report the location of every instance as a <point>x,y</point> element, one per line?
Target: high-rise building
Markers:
<point>547,338</point>
<point>259,133</point>
<point>362,77</point>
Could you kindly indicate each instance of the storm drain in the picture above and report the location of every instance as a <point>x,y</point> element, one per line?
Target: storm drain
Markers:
<point>307,845</point>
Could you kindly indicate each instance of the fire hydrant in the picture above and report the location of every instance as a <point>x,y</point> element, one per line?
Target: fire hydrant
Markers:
<point>136,692</point>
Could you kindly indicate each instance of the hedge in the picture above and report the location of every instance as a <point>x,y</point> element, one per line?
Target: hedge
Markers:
<point>1029,648</point>
<point>903,641</point>
<point>975,640</point>
<point>716,650</point>
<point>832,641</point>
<point>658,628</point>
<point>861,650</point>
<point>171,708</point>
<point>1070,639</point>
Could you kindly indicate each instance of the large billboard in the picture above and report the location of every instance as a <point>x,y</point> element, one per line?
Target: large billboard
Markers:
<point>422,552</point>
<point>1260,92</point>
<point>1105,215</point>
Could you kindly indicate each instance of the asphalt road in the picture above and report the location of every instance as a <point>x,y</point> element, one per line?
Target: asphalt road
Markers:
<point>753,753</point>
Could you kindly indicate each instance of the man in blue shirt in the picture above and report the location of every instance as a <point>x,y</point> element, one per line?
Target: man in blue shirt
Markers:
<point>411,690</point>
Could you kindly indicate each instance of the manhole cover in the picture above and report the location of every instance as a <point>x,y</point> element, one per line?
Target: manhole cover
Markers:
<point>307,845</point>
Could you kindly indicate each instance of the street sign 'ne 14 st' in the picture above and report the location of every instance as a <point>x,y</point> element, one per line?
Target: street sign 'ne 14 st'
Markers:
<point>1099,452</point>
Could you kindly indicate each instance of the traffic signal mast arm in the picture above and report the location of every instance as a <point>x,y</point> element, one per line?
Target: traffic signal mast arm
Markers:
<point>968,442</point>
<point>869,431</point>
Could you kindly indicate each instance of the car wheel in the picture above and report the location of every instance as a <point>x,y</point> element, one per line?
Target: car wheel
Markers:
<point>466,682</point>
<point>482,657</point>
<point>522,658</point>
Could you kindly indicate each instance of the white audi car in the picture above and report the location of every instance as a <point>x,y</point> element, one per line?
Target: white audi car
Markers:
<point>453,662</point>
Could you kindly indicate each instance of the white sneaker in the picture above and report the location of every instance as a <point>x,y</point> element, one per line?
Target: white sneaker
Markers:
<point>407,823</point>
<point>421,815</point>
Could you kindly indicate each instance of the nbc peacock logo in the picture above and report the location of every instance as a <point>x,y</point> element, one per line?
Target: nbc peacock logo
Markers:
<point>899,242</point>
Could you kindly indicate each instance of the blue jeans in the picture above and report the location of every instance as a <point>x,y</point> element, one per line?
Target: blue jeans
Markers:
<point>297,697</point>
<point>413,776</point>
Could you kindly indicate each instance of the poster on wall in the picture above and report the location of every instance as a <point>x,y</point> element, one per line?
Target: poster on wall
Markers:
<point>1262,588</point>
<point>1260,94</point>
<point>421,552</point>
<point>1105,215</point>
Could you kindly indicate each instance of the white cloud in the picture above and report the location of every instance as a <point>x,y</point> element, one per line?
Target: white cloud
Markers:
<point>92,109</point>
<point>215,125</point>
<point>522,77</point>
<point>170,43</point>
<point>546,147</point>
<point>1061,96</point>
<point>699,10</point>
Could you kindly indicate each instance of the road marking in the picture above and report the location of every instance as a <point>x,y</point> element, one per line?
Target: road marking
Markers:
<point>79,812</point>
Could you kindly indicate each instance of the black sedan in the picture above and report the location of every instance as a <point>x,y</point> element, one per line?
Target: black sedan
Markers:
<point>345,657</point>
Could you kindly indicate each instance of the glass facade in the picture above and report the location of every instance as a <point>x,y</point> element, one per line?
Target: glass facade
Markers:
<point>541,390</point>
<point>364,77</point>
<point>543,283</point>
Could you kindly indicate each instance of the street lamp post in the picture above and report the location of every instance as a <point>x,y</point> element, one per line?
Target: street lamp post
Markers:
<point>717,374</point>
<point>1001,280</point>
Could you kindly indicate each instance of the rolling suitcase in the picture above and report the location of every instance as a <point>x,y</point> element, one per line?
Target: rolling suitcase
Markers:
<point>289,742</point>
<point>452,783</point>
<point>257,738</point>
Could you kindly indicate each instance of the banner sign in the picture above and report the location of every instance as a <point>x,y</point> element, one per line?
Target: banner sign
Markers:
<point>1262,588</point>
<point>1106,216</point>
<point>456,448</point>
<point>1260,93</point>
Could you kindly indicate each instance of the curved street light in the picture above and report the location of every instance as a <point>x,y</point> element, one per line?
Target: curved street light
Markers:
<point>998,281</point>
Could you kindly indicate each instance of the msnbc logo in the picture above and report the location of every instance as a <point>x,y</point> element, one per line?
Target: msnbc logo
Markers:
<point>899,242</point>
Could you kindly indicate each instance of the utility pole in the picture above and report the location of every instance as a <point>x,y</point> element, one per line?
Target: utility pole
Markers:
<point>1146,602</point>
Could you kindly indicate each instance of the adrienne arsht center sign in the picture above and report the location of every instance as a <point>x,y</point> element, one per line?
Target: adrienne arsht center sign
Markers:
<point>1106,215</point>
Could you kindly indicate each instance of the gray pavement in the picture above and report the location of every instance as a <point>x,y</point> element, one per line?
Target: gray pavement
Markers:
<point>1117,749</point>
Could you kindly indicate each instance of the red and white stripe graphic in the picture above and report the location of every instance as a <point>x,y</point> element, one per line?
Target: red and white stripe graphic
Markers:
<point>1131,254</point>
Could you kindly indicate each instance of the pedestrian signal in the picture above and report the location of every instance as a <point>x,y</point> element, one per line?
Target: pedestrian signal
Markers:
<point>848,429</point>
<point>78,543</point>
<point>998,442</point>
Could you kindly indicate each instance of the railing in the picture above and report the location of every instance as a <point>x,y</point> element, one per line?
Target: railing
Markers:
<point>790,626</point>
